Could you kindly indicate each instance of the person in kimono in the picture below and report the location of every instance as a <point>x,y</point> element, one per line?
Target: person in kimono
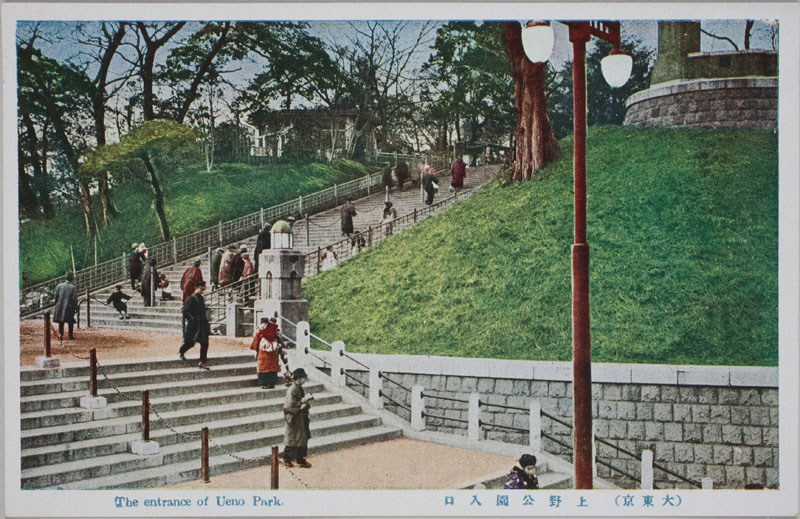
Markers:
<point>524,476</point>
<point>348,211</point>
<point>190,278</point>
<point>295,414</point>
<point>150,283</point>
<point>266,345</point>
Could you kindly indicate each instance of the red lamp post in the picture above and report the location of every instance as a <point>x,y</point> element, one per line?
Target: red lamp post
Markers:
<point>616,69</point>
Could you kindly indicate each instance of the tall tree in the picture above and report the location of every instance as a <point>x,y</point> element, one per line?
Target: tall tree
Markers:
<point>153,36</point>
<point>150,147</point>
<point>535,146</point>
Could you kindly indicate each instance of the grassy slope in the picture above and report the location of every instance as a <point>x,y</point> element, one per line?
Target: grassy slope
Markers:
<point>683,236</point>
<point>195,199</point>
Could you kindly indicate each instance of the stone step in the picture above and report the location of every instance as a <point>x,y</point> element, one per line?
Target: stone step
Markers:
<point>56,417</point>
<point>239,419</point>
<point>224,463</point>
<point>69,472</point>
<point>106,424</point>
<point>74,369</point>
<point>120,380</point>
<point>72,398</point>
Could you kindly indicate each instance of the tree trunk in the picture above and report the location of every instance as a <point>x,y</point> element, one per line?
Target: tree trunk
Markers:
<point>157,196</point>
<point>27,198</point>
<point>40,182</point>
<point>86,207</point>
<point>535,145</point>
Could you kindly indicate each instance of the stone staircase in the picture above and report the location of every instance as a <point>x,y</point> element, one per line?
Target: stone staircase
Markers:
<point>65,446</point>
<point>323,229</point>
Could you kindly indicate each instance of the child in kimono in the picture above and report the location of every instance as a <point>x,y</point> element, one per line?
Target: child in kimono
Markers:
<point>116,299</point>
<point>266,344</point>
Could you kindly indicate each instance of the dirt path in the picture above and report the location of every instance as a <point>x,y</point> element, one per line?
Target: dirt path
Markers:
<point>393,464</point>
<point>114,344</point>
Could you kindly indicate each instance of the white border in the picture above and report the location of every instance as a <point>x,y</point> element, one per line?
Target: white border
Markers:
<point>720,502</point>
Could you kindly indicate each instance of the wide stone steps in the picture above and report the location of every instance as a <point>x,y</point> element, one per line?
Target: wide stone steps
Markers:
<point>224,463</point>
<point>229,435</point>
<point>64,445</point>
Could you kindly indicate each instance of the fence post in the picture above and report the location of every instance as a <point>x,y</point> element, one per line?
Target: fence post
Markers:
<point>375,386</point>
<point>417,409</point>
<point>303,338</point>
<point>474,417</point>
<point>88,310</point>
<point>415,215</point>
<point>204,455</point>
<point>261,217</point>
<point>219,232</point>
<point>145,446</point>
<point>92,401</point>
<point>369,236</point>
<point>707,483</point>
<point>174,249</point>
<point>274,469</point>
<point>300,204</point>
<point>336,194</point>
<point>386,196</point>
<point>210,255</point>
<point>337,364</point>
<point>647,469</point>
<point>47,361</point>
<point>318,260</point>
<point>124,264</point>
<point>308,236</point>
<point>535,409</point>
<point>369,182</point>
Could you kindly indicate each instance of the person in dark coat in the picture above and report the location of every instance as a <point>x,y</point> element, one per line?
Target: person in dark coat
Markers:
<point>295,414</point>
<point>189,280</point>
<point>457,174</point>
<point>524,476</point>
<point>66,306</point>
<point>348,211</point>
<point>116,299</point>
<point>238,264</point>
<point>262,242</point>
<point>135,266</point>
<point>429,185</point>
<point>401,172</point>
<point>196,326</point>
<point>150,281</point>
<point>386,179</point>
<point>216,260</point>
<point>226,266</point>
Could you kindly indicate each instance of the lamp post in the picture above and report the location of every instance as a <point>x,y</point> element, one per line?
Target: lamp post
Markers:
<point>538,40</point>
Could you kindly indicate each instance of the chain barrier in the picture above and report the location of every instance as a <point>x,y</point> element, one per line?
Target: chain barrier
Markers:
<point>64,346</point>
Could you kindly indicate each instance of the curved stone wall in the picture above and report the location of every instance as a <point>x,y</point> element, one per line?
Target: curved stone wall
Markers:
<point>707,103</point>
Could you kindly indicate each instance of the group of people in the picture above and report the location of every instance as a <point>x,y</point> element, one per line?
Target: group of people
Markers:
<point>145,278</point>
<point>398,175</point>
<point>230,265</point>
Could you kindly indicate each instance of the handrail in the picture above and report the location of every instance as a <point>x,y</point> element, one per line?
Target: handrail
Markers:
<point>381,375</point>
<point>487,404</point>
<point>428,415</point>
<point>41,296</point>
<point>481,423</point>
<point>612,467</point>
<point>343,354</point>
<point>354,379</point>
<point>555,440</point>
<point>395,402</point>
<point>424,395</point>
<point>557,420</point>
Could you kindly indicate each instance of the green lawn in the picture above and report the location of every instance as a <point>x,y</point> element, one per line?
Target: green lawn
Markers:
<point>194,198</point>
<point>682,226</point>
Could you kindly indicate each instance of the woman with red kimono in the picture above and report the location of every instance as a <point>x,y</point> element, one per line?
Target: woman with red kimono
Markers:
<point>266,344</point>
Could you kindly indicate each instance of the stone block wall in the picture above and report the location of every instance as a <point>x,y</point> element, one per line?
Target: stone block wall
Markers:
<point>715,103</point>
<point>718,422</point>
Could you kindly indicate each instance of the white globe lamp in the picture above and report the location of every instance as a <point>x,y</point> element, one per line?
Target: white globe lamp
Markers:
<point>537,41</point>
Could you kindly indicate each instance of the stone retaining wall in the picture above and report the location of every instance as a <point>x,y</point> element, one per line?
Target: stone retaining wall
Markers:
<point>707,103</point>
<point>719,422</point>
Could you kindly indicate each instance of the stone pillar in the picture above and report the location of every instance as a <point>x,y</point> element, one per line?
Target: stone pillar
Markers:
<point>231,321</point>
<point>675,41</point>
<point>535,425</point>
<point>647,469</point>
<point>337,364</point>
<point>474,417</point>
<point>417,408</point>
<point>280,272</point>
<point>304,342</point>
<point>375,386</point>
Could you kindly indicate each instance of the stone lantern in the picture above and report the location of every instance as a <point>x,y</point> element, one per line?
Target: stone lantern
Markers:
<point>280,273</point>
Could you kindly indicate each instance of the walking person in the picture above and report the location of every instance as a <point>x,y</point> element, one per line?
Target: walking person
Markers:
<point>136,262</point>
<point>429,184</point>
<point>262,242</point>
<point>189,280</point>
<point>216,259</point>
<point>238,264</point>
<point>387,179</point>
<point>401,172</point>
<point>348,211</point>
<point>389,216</point>
<point>457,174</point>
<point>523,476</point>
<point>267,346</point>
<point>150,281</point>
<point>116,299</point>
<point>196,326</point>
<point>248,269</point>
<point>65,306</point>
<point>295,414</point>
<point>226,266</point>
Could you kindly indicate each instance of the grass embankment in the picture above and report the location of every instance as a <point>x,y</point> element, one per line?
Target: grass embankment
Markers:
<point>194,199</point>
<point>682,226</point>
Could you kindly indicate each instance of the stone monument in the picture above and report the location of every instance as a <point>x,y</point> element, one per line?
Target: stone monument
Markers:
<point>280,273</point>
